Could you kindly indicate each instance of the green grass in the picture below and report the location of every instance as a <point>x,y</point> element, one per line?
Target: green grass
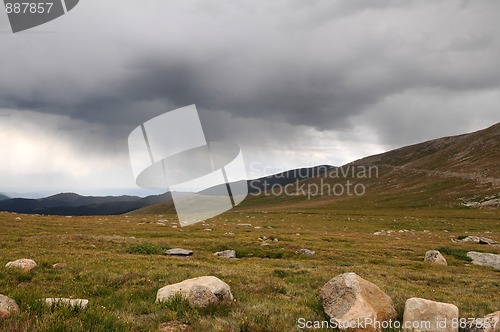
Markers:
<point>455,252</point>
<point>147,248</point>
<point>343,264</point>
<point>259,253</point>
<point>117,264</point>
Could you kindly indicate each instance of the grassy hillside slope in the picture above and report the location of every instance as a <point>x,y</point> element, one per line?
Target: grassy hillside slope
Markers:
<point>441,173</point>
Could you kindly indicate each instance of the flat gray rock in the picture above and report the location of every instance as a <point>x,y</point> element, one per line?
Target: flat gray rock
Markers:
<point>179,252</point>
<point>484,259</point>
<point>478,239</point>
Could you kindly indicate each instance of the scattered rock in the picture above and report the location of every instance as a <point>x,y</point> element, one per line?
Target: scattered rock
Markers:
<point>24,263</point>
<point>201,296</point>
<point>226,254</point>
<point>265,244</point>
<point>219,288</point>
<point>249,225</point>
<point>487,202</point>
<point>306,252</point>
<point>434,256</point>
<point>349,299</point>
<point>8,306</point>
<point>472,204</point>
<point>491,203</point>
<point>82,303</point>
<point>436,314</point>
<point>390,231</point>
<point>174,326</point>
<point>484,259</point>
<point>275,240</point>
<point>490,323</point>
<point>478,239</point>
<point>178,252</point>
<point>59,266</point>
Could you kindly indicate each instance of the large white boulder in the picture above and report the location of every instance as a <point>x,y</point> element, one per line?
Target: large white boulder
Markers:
<point>23,263</point>
<point>197,290</point>
<point>423,315</point>
<point>435,257</point>
<point>350,300</point>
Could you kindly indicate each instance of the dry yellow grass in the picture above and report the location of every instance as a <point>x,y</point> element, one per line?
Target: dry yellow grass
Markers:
<point>273,285</point>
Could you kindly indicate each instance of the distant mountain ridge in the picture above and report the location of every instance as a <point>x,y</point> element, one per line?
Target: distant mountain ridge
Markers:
<point>442,172</point>
<point>77,205</point>
<point>3,197</point>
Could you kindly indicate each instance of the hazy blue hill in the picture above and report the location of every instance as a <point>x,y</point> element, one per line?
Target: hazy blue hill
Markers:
<point>77,205</point>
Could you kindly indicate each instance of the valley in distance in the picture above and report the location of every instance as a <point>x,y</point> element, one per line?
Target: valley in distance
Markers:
<point>299,236</point>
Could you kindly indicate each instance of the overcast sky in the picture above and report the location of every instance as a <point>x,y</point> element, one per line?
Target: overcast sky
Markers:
<point>295,83</point>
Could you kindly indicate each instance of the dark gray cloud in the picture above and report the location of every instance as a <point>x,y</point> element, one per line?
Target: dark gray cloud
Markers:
<point>312,64</point>
<point>261,71</point>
